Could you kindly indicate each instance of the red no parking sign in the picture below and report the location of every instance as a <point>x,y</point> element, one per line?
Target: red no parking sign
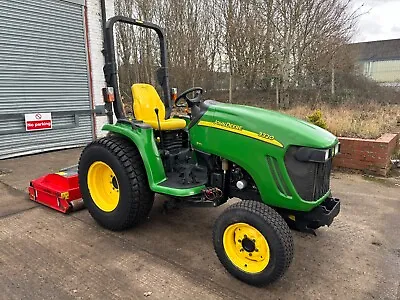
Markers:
<point>38,121</point>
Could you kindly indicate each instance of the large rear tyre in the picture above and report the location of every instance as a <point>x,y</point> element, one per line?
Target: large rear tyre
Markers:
<point>253,242</point>
<point>113,183</point>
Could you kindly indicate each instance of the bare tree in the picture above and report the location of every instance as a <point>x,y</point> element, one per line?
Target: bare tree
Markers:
<point>261,44</point>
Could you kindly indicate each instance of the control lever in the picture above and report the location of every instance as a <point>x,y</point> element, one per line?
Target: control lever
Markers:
<point>159,129</point>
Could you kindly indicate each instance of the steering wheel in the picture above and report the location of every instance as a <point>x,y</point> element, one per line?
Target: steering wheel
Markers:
<point>184,97</point>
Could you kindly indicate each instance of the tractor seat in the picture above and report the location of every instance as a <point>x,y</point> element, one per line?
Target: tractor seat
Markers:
<point>145,100</point>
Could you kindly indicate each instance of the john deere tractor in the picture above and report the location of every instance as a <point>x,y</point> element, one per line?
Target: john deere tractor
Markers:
<point>278,166</point>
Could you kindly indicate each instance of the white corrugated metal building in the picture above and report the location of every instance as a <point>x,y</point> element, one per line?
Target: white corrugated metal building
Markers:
<point>380,61</point>
<point>50,62</point>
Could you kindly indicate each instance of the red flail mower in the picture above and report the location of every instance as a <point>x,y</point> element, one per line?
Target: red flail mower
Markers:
<point>59,191</point>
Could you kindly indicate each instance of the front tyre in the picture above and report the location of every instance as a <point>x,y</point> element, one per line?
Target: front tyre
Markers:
<point>113,183</point>
<point>253,242</point>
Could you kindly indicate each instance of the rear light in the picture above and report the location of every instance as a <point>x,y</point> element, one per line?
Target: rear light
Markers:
<point>108,94</point>
<point>174,94</point>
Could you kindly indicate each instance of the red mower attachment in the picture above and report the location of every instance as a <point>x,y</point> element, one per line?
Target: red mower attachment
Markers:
<point>59,191</point>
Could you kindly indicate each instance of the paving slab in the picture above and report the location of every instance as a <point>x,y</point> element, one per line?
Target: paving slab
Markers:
<point>18,172</point>
<point>48,255</point>
<point>13,201</point>
<point>57,256</point>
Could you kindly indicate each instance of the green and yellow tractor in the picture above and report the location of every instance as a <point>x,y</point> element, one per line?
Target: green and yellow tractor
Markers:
<point>278,166</point>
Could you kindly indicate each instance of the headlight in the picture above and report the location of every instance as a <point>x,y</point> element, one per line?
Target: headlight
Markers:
<point>316,155</point>
<point>326,155</point>
<point>336,149</point>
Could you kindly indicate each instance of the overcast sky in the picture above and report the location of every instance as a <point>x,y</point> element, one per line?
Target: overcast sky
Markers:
<point>381,20</point>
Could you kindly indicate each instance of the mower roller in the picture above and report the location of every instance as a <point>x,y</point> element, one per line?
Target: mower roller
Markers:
<point>277,165</point>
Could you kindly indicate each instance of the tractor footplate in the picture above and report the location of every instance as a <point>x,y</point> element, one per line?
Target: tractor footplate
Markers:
<point>210,197</point>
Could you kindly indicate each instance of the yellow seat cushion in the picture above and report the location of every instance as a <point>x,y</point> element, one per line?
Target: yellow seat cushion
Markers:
<point>145,100</point>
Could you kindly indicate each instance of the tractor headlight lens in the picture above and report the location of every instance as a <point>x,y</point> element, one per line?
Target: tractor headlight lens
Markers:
<point>326,155</point>
<point>336,149</point>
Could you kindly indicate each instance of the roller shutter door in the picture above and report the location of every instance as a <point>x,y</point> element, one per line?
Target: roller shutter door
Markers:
<point>43,68</point>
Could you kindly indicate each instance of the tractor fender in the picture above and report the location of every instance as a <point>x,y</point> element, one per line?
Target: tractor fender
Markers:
<point>144,141</point>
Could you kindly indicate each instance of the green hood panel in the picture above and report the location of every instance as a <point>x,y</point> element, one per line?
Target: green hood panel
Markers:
<point>250,136</point>
<point>285,129</point>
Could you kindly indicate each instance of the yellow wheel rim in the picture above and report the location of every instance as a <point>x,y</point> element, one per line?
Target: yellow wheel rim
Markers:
<point>103,186</point>
<point>246,247</point>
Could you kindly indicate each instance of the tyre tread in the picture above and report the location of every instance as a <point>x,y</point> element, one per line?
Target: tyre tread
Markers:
<point>142,197</point>
<point>278,224</point>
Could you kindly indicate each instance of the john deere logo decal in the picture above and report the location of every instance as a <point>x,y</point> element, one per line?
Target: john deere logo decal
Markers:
<point>261,136</point>
<point>228,125</point>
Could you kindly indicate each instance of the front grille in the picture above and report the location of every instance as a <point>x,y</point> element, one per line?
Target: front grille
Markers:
<point>311,179</point>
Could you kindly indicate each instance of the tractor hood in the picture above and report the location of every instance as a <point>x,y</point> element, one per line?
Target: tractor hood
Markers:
<point>280,129</point>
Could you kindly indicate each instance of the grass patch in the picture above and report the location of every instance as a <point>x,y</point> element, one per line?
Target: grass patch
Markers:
<point>367,121</point>
<point>396,154</point>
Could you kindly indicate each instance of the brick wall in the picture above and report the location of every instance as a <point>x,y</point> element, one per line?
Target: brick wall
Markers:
<point>95,44</point>
<point>372,156</point>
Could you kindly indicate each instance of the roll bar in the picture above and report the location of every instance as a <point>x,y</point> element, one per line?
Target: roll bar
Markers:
<point>110,67</point>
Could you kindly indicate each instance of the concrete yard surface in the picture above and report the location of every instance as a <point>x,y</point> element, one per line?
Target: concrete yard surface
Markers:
<point>47,255</point>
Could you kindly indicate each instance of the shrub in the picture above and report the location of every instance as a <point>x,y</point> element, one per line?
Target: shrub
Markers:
<point>317,119</point>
